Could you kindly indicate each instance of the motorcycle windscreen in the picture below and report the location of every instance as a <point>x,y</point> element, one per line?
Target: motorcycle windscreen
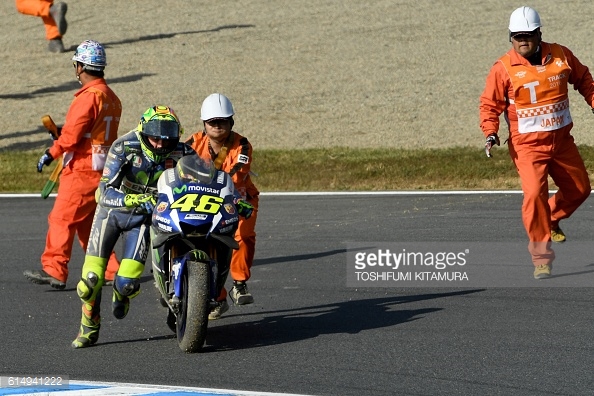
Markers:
<point>195,169</point>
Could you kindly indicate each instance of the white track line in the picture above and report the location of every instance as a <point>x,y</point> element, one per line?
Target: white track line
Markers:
<point>95,388</point>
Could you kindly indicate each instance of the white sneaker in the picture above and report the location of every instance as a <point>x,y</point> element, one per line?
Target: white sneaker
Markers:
<point>240,294</point>
<point>219,310</point>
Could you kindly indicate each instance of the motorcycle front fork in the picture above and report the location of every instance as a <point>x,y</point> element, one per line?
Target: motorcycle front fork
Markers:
<point>173,253</point>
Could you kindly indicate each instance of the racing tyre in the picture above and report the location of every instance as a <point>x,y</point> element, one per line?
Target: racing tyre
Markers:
<point>192,319</point>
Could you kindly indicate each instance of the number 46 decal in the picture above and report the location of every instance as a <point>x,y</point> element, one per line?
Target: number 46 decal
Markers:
<point>198,203</point>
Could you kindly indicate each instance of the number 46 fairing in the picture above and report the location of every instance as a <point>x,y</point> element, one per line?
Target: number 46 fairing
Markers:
<point>192,231</point>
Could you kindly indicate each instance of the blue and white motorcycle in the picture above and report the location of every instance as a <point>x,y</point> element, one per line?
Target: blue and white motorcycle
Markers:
<point>192,230</point>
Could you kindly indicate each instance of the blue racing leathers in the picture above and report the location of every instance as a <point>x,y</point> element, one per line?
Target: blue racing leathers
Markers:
<point>124,208</point>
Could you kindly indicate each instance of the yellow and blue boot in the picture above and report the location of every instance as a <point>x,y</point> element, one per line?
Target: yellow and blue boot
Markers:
<point>89,291</point>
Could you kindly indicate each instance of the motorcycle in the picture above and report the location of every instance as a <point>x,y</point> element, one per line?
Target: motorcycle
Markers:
<point>193,224</point>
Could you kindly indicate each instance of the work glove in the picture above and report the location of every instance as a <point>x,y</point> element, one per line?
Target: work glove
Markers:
<point>45,159</point>
<point>244,208</point>
<point>492,140</point>
<point>146,202</point>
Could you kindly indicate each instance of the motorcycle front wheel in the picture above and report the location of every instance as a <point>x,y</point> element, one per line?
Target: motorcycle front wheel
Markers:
<point>192,319</point>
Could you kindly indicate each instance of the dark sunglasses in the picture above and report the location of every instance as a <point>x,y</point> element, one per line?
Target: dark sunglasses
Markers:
<point>218,121</point>
<point>524,36</point>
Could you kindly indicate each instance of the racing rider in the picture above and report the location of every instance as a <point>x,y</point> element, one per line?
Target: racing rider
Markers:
<point>126,197</point>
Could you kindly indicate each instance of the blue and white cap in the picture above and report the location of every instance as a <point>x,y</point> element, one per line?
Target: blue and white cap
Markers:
<point>92,54</point>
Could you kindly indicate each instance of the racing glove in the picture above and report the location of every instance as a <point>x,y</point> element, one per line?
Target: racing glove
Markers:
<point>146,202</point>
<point>492,140</point>
<point>244,208</point>
<point>45,159</point>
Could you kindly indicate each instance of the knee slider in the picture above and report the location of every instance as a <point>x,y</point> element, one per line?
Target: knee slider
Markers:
<point>88,286</point>
<point>128,287</point>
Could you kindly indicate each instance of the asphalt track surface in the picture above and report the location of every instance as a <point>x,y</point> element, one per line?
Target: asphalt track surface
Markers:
<point>307,332</point>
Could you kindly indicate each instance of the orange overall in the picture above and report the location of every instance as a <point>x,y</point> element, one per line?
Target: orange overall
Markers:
<point>40,8</point>
<point>91,126</point>
<point>237,164</point>
<point>534,99</point>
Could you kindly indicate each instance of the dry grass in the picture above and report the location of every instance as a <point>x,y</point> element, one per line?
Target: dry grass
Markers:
<point>382,170</point>
<point>458,168</point>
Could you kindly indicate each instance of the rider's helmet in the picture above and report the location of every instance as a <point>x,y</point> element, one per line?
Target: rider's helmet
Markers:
<point>217,106</point>
<point>91,54</point>
<point>159,122</point>
<point>523,19</point>
<point>196,169</point>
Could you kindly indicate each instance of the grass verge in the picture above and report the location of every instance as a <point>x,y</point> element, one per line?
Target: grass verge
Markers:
<point>339,169</point>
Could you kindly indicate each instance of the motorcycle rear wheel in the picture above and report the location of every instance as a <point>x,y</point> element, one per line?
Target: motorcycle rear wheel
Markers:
<point>192,319</point>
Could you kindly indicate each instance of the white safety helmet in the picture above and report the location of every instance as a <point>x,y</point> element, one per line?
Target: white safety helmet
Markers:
<point>216,105</point>
<point>524,19</point>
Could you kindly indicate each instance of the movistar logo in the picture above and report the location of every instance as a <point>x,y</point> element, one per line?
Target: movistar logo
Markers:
<point>180,190</point>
